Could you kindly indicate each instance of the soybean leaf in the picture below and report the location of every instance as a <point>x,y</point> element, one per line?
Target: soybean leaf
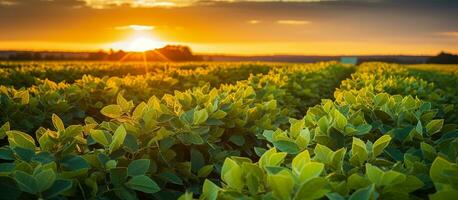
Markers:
<point>363,129</point>
<point>231,174</point>
<point>171,177</point>
<point>191,138</point>
<point>57,188</point>
<point>363,193</point>
<point>7,167</point>
<point>143,183</point>
<point>286,146</point>
<point>3,129</point>
<point>271,158</point>
<point>210,190</point>
<point>118,176</point>
<point>45,179</point>
<point>20,139</point>
<point>444,195</point>
<point>380,144</point>
<point>310,170</point>
<point>118,139</point>
<point>186,196</point>
<point>374,174</point>
<point>138,167</point>
<point>439,166</point>
<point>259,151</point>
<point>281,183</point>
<point>205,171</point>
<point>341,120</point>
<point>57,122</point>
<point>26,182</point>
<point>315,188</point>
<point>334,196</point>
<point>359,152</point>
<point>101,137</point>
<point>112,111</point>
<point>300,161</point>
<point>197,160</point>
<point>200,116</point>
<point>428,151</point>
<point>237,139</point>
<point>434,126</point>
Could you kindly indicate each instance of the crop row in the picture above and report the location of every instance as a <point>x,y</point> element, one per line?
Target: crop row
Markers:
<point>27,74</point>
<point>434,87</point>
<point>29,108</point>
<point>367,144</point>
<point>139,150</point>
<point>244,141</point>
<point>443,77</point>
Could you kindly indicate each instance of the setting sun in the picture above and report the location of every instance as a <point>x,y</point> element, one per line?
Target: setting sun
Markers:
<point>142,44</point>
<point>137,44</point>
<point>141,38</point>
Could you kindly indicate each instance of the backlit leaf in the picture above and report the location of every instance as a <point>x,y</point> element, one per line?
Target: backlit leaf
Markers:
<point>118,139</point>
<point>143,183</point>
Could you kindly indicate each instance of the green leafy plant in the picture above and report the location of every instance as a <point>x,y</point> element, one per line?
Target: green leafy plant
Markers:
<point>184,132</point>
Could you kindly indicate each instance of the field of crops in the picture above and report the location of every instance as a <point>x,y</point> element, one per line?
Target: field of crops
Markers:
<point>80,130</point>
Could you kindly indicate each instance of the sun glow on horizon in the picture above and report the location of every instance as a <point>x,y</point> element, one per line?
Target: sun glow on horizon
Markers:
<point>142,38</point>
<point>137,44</point>
<point>142,44</point>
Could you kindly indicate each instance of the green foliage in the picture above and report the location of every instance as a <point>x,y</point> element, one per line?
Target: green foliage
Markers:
<point>391,152</point>
<point>138,167</point>
<point>143,183</point>
<point>301,182</point>
<point>275,135</point>
<point>31,92</point>
<point>21,140</point>
<point>369,170</point>
<point>118,139</point>
<point>434,126</point>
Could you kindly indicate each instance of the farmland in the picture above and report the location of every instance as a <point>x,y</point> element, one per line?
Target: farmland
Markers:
<point>209,130</point>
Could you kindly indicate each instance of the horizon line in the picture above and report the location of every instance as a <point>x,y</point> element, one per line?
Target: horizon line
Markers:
<point>231,54</point>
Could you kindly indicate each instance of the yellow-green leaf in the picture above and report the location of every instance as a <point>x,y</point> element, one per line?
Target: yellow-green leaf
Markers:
<point>100,137</point>
<point>57,122</point>
<point>20,139</point>
<point>118,139</point>
<point>200,116</point>
<point>434,126</point>
<point>112,111</point>
<point>380,144</point>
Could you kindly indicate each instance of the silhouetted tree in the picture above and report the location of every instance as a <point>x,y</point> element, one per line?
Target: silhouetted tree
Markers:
<point>116,55</point>
<point>176,53</point>
<point>21,56</point>
<point>444,58</point>
<point>100,55</point>
<point>167,53</point>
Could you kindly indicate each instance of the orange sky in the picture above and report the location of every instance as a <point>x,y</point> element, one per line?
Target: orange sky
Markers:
<point>236,27</point>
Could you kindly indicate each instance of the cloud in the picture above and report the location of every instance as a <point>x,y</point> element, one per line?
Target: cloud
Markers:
<point>135,27</point>
<point>449,34</point>
<point>293,22</point>
<point>101,4</point>
<point>7,3</point>
<point>253,21</point>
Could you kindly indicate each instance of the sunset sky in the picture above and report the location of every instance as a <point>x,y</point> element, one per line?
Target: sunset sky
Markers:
<point>250,27</point>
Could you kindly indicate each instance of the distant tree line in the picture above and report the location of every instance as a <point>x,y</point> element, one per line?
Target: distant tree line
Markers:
<point>167,53</point>
<point>444,58</point>
<point>178,53</point>
<point>35,56</point>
